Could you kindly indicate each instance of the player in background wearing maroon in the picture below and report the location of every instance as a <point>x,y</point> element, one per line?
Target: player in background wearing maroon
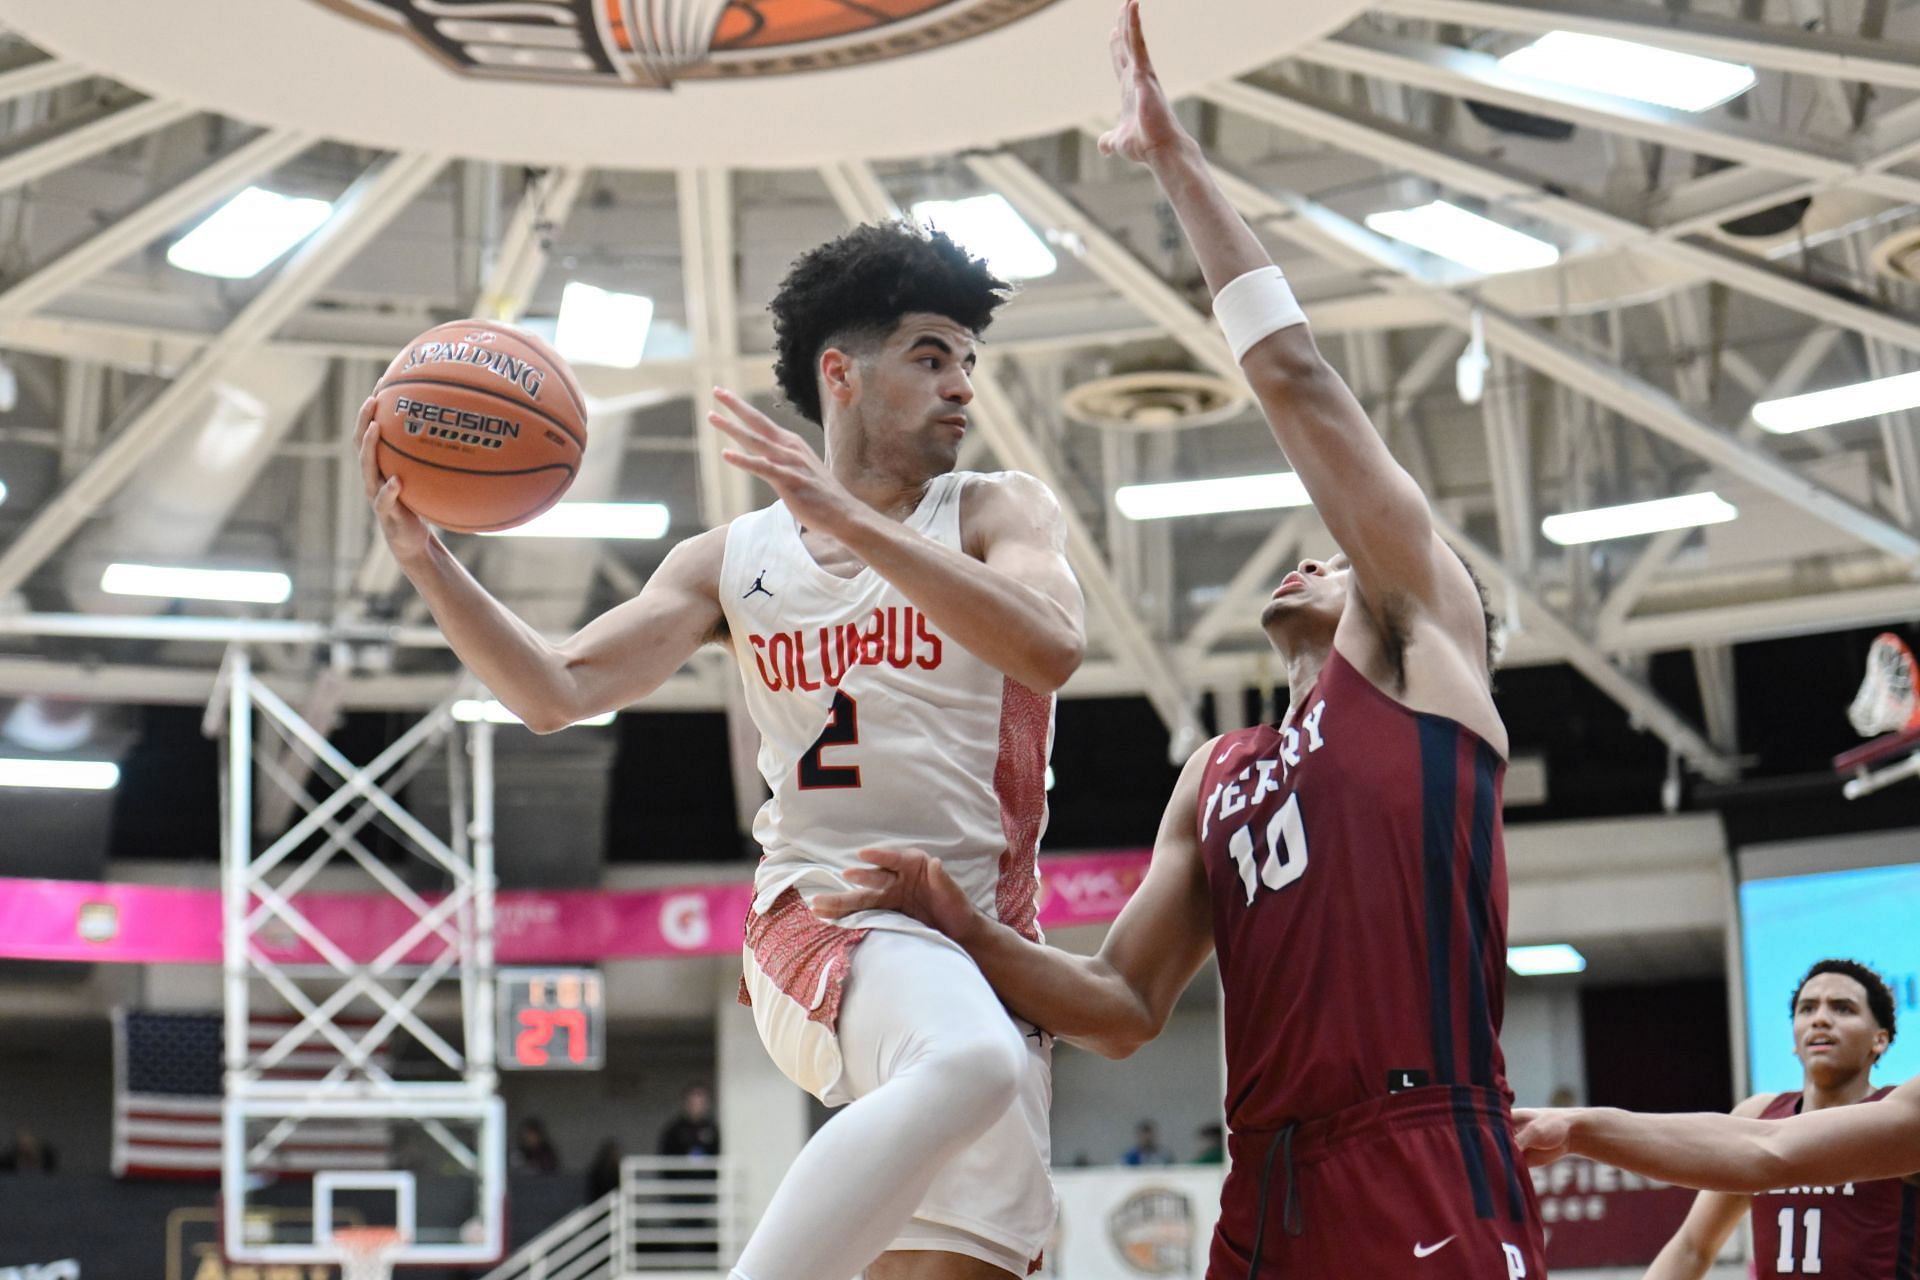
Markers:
<point>1346,865</point>
<point>1843,1021</point>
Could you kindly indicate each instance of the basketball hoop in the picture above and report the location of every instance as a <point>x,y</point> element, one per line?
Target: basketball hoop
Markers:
<point>367,1253</point>
<point>1887,701</point>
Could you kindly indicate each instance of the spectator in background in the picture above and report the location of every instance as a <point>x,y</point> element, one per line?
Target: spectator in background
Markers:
<point>1146,1146</point>
<point>532,1150</point>
<point>693,1132</point>
<point>603,1175</point>
<point>1213,1144</point>
<point>28,1154</point>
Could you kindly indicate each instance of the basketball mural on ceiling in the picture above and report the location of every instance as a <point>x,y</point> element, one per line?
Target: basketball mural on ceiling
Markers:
<point>649,44</point>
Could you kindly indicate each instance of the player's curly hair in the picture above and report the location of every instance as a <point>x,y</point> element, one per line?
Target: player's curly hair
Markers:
<point>1880,1002</point>
<point>851,292</point>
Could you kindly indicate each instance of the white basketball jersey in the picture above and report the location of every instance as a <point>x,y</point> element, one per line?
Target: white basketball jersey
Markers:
<point>878,731</point>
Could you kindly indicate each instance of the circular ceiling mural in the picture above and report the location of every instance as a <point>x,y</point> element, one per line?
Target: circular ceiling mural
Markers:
<point>658,84</point>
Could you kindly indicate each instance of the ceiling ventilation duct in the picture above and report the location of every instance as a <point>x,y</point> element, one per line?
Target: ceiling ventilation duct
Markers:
<point>1523,123</point>
<point>1155,400</point>
<point>1776,221</point>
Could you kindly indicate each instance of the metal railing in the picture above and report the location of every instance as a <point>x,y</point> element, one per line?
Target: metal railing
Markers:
<point>672,1215</point>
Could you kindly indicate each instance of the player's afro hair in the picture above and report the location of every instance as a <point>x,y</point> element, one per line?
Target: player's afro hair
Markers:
<point>852,292</point>
<point>1879,994</point>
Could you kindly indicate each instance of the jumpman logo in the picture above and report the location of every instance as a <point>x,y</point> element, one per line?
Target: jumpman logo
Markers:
<point>760,586</point>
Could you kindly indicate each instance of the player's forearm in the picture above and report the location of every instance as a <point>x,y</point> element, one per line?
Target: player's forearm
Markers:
<point>1077,998</point>
<point>518,665</point>
<point>1680,1260</point>
<point>1005,623</point>
<point>1710,1151</point>
<point>1224,245</point>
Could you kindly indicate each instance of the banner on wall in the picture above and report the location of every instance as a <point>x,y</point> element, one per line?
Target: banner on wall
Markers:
<point>1596,1215</point>
<point>149,924</point>
<point>1134,1224</point>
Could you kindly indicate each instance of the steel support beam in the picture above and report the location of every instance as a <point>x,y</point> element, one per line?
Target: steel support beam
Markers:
<point>1778,48</point>
<point>358,216</point>
<point>83,141</point>
<point>1043,204</point>
<point>40,77</point>
<point>713,292</point>
<point>1325,231</point>
<point>857,189</point>
<point>1629,691</point>
<point>1633,584</point>
<point>1396,146</point>
<point>1161,684</point>
<point>211,185</point>
<point>1468,74</point>
<point>524,249</point>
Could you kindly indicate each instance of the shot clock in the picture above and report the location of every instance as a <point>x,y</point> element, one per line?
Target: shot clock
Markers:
<point>551,1019</point>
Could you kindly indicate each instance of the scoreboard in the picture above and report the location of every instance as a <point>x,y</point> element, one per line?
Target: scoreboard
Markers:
<point>551,1019</point>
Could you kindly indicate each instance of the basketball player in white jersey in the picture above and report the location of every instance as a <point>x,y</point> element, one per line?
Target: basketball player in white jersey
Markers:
<point>900,629</point>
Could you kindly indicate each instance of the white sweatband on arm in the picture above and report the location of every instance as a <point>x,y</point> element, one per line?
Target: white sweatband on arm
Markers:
<point>1255,305</point>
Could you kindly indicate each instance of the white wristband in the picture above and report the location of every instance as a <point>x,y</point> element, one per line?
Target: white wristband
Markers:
<point>1255,305</point>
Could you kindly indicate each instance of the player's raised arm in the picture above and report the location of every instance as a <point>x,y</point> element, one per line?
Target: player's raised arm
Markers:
<point>613,661</point>
<point>1112,1002</point>
<point>1370,504</point>
<point>1729,1153</point>
<point>1010,598</point>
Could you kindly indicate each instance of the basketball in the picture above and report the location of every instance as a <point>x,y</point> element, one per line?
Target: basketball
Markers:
<point>483,423</point>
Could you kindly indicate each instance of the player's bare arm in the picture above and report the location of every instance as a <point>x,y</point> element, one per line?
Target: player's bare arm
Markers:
<point>1409,582</point>
<point>1112,1002</point>
<point>1709,1222</point>
<point>1732,1153</point>
<point>613,661</point>
<point>1010,599</point>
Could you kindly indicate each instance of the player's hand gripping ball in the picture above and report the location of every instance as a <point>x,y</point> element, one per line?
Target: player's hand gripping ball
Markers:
<point>483,423</point>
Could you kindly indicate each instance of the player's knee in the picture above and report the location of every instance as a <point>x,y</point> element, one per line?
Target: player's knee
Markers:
<point>986,1068</point>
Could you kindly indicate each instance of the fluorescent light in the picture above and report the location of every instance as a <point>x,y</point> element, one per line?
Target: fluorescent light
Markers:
<point>1839,404</point>
<point>1635,518</point>
<point>1554,957</point>
<point>644,521</point>
<point>248,586</point>
<point>1209,497</point>
<point>599,326</point>
<point>1467,238</point>
<point>989,226</point>
<point>1624,69</point>
<point>64,775</point>
<point>3,490</point>
<point>473,710</point>
<point>246,233</point>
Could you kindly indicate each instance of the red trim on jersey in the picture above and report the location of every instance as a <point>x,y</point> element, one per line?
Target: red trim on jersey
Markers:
<point>800,952</point>
<point>1020,781</point>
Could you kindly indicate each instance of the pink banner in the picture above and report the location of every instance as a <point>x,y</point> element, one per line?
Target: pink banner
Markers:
<point>145,924</point>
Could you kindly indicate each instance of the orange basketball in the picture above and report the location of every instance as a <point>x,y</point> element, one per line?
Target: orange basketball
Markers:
<point>483,423</point>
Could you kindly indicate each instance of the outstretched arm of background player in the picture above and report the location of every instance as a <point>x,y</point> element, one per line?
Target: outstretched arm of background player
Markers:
<point>1370,504</point>
<point>1009,598</point>
<point>613,661</point>
<point>1111,1003</point>
<point>1729,1153</point>
<point>1714,1215</point>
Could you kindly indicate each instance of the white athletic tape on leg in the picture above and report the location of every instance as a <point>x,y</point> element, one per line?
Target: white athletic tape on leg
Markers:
<point>1255,305</point>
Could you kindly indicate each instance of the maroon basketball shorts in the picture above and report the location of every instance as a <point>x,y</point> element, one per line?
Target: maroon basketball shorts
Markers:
<point>1420,1185</point>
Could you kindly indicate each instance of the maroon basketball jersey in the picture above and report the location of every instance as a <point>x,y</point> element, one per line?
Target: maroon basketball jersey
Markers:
<point>1359,891</point>
<point>1856,1231</point>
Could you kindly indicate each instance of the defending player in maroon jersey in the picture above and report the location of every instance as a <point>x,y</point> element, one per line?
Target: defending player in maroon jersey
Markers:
<point>1346,864</point>
<point>1843,1021</point>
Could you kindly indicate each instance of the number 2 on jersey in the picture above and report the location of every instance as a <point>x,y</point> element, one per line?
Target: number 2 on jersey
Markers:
<point>843,730</point>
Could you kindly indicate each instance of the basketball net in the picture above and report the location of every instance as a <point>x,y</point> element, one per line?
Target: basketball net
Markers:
<point>671,34</point>
<point>1887,701</point>
<point>367,1253</point>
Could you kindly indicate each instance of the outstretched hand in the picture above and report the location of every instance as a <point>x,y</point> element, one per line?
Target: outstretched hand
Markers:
<point>786,462</point>
<point>910,881</point>
<point>406,533</point>
<point>1147,125</point>
<point>1543,1134</point>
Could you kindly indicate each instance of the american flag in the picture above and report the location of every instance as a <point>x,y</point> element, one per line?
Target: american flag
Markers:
<point>167,1091</point>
